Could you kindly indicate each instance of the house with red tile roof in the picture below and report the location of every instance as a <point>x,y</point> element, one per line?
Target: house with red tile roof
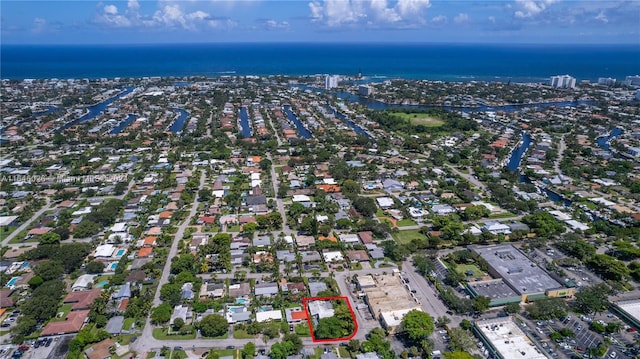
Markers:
<point>72,324</point>
<point>145,252</point>
<point>82,299</point>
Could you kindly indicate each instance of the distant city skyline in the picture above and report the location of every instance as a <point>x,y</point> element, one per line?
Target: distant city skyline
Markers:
<point>401,21</point>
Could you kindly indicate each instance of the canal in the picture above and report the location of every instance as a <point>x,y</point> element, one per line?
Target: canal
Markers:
<point>178,123</point>
<point>245,126</point>
<point>304,133</point>
<point>122,125</point>
<point>604,141</point>
<point>95,110</point>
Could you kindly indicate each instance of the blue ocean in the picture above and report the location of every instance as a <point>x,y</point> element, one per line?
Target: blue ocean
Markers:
<point>448,62</point>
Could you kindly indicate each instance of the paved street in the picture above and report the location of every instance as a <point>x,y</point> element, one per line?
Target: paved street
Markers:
<point>146,340</point>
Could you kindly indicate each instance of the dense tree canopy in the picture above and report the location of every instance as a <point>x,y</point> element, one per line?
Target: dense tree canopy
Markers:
<point>418,325</point>
<point>213,326</point>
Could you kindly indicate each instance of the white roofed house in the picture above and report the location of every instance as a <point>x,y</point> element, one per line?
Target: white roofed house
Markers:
<point>384,202</point>
<point>442,209</point>
<point>267,289</point>
<point>496,228</point>
<point>104,251</point>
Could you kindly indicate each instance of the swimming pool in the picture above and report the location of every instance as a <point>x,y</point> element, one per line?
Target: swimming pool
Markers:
<point>102,284</point>
<point>241,301</point>
<point>120,252</point>
<point>12,282</point>
<point>25,265</point>
<point>236,309</point>
<point>113,266</point>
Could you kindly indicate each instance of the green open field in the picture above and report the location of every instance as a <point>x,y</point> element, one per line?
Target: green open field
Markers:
<point>161,334</point>
<point>463,268</point>
<point>420,119</point>
<point>406,236</point>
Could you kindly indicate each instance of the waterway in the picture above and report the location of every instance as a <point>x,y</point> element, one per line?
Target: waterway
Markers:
<point>304,133</point>
<point>604,141</point>
<point>245,126</point>
<point>373,104</point>
<point>357,129</point>
<point>95,110</point>
<point>122,125</point>
<point>50,109</point>
<point>516,155</point>
<point>178,123</point>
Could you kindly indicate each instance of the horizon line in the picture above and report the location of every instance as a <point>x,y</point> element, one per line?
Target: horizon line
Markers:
<point>634,44</point>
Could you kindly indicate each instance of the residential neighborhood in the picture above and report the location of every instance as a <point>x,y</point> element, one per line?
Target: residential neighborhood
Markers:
<point>264,217</point>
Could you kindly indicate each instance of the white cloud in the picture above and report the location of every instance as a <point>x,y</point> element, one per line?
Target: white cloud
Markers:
<point>275,24</point>
<point>39,25</point>
<point>531,8</point>
<point>492,19</point>
<point>461,18</point>
<point>110,9</point>
<point>111,18</point>
<point>368,13</point>
<point>602,17</point>
<point>168,15</point>
<point>439,20</point>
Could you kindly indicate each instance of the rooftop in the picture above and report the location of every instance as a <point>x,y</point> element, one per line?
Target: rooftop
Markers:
<point>524,276</point>
<point>508,339</point>
<point>493,289</point>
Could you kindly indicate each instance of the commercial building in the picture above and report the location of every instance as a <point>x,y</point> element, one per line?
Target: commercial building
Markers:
<point>525,278</point>
<point>629,311</point>
<point>505,340</point>
<point>388,298</point>
<point>563,81</point>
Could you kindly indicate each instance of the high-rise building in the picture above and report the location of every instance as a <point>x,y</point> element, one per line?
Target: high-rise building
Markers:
<point>563,81</point>
<point>331,81</point>
<point>633,80</point>
<point>606,81</point>
<point>364,90</point>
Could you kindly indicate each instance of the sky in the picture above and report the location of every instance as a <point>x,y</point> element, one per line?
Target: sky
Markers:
<point>397,21</point>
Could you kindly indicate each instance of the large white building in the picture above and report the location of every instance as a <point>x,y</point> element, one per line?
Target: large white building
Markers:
<point>563,81</point>
<point>633,80</point>
<point>331,81</point>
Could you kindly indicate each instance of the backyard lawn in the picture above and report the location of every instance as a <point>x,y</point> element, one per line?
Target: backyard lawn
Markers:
<point>406,236</point>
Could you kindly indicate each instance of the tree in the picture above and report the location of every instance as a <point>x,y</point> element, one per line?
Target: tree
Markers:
<point>35,281</point>
<point>161,314</point>
<point>213,326</point>
<point>250,228</point>
<point>178,323</point>
<point>457,355</point>
<point>366,206</point>
<point>204,195</point>
<point>171,293</point>
<point>50,238</point>
<point>547,308</point>
<point>49,270</point>
<point>460,339</point>
<point>512,308</point>
<point>95,267</point>
<point>481,303</point>
<point>593,299</point>
<point>329,328</point>
<point>418,325</point>
<point>465,324</point>
<point>442,321</point>
<point>248,351</point>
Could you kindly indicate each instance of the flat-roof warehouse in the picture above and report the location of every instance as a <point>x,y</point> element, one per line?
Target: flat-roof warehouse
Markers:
<point>506,339</point>
<point>526,278</point>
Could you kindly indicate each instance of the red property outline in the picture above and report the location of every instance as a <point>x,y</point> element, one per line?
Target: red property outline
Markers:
<point>353,316</point>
